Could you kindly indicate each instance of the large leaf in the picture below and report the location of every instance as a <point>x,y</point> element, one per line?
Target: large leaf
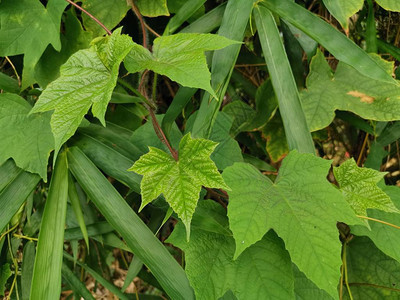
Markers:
<point>180,57</point>
<point>301,206</point>
<point>348,90</point>
<point>359,187</point>
<point>179,181</point>
<point>371,274</point>
<point>153,8</point>
<point>46,280</point>
<point>392,5</point>
<point>297,132</point>
<point>137,235</point>
<point>342,10</point>
<point>263,271</point>
<point>109,12</point>
<point>87,79</point>
<point>334,41</point>
<point>385,237</point>
<point>27,138</point>
<point>27,27</point>
<point>305,289</point>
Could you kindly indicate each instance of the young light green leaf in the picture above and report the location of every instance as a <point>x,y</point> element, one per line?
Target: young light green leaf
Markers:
<point>46,280</point>
<point>263,271</point>
<point>359,187</point>
<point>342,10</point>
<point>392,5</point>
<point>347,90</point>
<point>180,57</point>
<point>28,137</point>
<point>27,27</point>
<point>301,206</point>
<point>153,8</point>
<point>179,181</point>
<point>87,79</point>
<point>110,13</point>
<point>385,237</point>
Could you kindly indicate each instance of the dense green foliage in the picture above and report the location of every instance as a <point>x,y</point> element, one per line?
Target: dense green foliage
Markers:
<point>248,151</point>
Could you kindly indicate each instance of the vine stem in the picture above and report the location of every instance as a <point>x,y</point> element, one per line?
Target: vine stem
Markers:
<point>90,15</point>
<point>362,149</point>
<point>379,221</point>
<point>142,23</point>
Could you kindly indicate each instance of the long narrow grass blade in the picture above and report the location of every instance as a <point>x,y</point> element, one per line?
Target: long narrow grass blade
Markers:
<point>136,234</point>
<point>335,42</point>
<point>207,23</point>
<point>74,282</point>
<point>46,281</point>
<point>109,160</point>
<point>100,228</point>
<point>28,260</point>
<point>370,32</point>
<point>184,13</point>
<point>76,206</point>
<point>297,133</point>
<point>233,26</point>
<point>109,286</point>
<point>133,270</point>
<point>8,172</point>
<point>179,102</point>
<point>14,194</point>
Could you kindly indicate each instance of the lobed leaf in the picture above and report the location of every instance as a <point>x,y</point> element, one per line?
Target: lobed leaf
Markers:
<point>342,10</point>
<point>87,80</point>
<point>28,137</point>
<point>301,206</point>
<point>180,57</point>
<point>179,181</point>
<point>348,90</point>
<point>153,8</point>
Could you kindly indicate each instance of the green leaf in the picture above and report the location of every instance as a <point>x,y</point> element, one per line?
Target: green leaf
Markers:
<point>305,289</point>
<point>5,273</point>
<point>28,137</point>
<point>385,237</point>
<point>179,181</point>
<point>346,90</point>
<point>180,57</point>
<point>392,5</point>
<point>153,8</point>
<point>301,206</point>
<point>8,172</point>
<point>334,41</point>
<point>14,195</point>
<point>73,39</point>
<point>372,274</point>
<point>263,269</point>
<point>359,188</point>
<point>273,132</point>
<point>74,282</point>
<point>342,10</point>
<point>8,84</point>
<point>46,280</point>
<point>297,132</point>
<point>28,261</point>
<point>87,79</point>
<point>137,235</point>
<point>28,28</point>
<point>184,10</point>
<point>109,12</point>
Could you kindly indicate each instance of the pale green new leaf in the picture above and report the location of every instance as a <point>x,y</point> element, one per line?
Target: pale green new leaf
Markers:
<point>347,90</point>
<point>152,8</point>
<point>179,181</point>
<point>342,10</point>
<point>87,79</point>
<point>393,5</point>
<point>301,206</point>
<point>109,12</point>
<point>27,27</point>
<point>359,187</point>
<point>263,271</point>
<point>385,237</point>
<point>26,138</point>
<point>180,57</point>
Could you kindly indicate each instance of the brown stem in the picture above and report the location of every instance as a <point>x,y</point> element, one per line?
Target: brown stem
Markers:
<point>142,23</point>
<point>91,16</point>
